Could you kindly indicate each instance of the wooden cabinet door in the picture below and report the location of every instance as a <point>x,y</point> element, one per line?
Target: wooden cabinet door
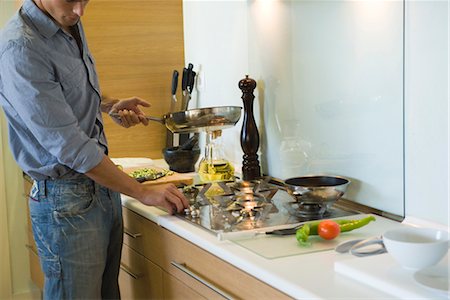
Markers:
<point>139,278</point>
<point>208,274</point>
<point>136,45</point>
<point>175,289</point>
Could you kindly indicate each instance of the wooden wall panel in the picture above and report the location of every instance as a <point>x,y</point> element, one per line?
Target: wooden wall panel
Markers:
<point>136,44</point>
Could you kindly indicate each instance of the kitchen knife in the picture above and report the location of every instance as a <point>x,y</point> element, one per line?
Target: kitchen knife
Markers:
<point>184,81</point>
<point>172,139</point>
<point>174,90</point>
<point>285,231</point>
<point>190,78</point>
<point>190,83</point>
<point>185,100</point>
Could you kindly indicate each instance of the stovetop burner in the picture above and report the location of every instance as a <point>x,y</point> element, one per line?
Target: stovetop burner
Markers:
<point>311,210</point>
<point>245,205</point>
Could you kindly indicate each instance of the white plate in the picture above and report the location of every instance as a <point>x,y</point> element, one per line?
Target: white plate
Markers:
<point>434,278</point>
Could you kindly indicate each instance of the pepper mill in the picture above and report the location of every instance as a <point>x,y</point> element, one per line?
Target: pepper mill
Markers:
<point>249,133</point>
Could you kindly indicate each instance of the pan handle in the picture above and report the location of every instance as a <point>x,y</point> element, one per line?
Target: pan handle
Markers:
<point>150,118</point>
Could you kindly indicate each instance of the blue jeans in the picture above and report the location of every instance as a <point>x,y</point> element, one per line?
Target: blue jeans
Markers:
<point>77,225</point>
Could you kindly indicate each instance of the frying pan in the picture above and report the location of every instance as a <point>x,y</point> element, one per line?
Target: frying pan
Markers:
<point>199,119</point>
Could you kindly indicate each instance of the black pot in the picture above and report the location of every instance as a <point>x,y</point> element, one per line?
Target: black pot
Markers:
<point>181,161</point>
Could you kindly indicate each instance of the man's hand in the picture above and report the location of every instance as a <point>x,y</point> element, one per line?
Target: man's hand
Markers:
<point>129,112</point>
<point>165,196</point>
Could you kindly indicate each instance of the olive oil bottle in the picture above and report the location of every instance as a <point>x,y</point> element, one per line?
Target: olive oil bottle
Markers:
<point>214,167</point>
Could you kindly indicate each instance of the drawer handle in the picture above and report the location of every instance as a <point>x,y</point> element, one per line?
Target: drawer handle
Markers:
<point>129,272</point>
<point>31,249</point>
<point>185,269</point>
<point>132,235</point>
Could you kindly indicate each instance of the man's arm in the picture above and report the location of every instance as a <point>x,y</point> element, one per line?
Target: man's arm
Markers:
<point>107,104</point>
<point>166,196</point>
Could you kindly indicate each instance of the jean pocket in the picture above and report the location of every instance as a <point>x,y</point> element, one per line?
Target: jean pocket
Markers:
<point>75,200</point>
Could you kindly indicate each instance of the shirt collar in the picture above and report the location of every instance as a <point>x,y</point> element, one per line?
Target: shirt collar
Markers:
<point>43,23</point>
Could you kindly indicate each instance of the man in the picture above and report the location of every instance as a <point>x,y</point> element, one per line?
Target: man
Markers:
<point>50,94</point>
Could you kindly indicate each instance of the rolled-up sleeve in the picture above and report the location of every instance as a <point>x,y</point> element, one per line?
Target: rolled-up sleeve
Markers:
<point>35,95</point>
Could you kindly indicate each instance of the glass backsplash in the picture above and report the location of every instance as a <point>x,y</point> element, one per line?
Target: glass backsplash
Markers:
<point>330,86</point>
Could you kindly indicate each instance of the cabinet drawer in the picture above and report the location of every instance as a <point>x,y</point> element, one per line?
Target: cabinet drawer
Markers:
<point>175,289</point>
<point>139,278</point>
<point>142,235</point>
<point>216,272</point>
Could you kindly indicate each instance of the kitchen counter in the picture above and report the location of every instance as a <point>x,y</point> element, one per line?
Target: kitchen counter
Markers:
<point>309,275</point>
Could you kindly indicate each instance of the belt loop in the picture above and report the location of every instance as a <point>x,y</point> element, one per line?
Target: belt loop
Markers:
<point>42,187</point>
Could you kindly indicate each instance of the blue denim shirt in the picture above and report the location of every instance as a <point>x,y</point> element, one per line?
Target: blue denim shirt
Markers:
<point>50,94</point>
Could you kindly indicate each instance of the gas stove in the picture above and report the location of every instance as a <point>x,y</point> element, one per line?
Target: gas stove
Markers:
<point>262,205</point>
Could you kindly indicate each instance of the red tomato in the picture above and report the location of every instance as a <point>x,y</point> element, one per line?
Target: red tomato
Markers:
<point>328,229</point>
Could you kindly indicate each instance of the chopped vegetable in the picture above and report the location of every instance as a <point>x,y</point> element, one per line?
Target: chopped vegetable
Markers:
<point>312,228</point>
<point>145,174</point>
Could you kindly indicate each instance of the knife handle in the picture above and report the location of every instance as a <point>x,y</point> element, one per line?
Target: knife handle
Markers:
<point>174,82</point>
<point>184,79</point>
<point>191,80</point>
<point>190,77</point>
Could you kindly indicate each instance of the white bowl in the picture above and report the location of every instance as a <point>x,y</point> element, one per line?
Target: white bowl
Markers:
<point>416,248</point>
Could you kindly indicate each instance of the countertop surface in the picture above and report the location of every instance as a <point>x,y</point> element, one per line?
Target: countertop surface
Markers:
<point>315,275</point>
<point>309,275</point>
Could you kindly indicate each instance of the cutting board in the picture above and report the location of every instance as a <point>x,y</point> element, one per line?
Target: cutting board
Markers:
<point>272,246</point>
<point>175,178</point>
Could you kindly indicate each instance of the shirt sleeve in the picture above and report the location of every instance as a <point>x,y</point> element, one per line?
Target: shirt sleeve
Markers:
<point>30,87</point>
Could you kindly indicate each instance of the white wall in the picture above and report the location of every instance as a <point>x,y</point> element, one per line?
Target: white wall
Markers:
<point>216,43</point>
<point>427,110</point>
<point>420,174</point>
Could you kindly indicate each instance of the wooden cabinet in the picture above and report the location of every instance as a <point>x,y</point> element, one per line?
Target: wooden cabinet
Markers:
<point>190,272</point>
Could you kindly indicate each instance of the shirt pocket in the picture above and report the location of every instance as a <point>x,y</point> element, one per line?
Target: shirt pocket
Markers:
<point>72,77</point>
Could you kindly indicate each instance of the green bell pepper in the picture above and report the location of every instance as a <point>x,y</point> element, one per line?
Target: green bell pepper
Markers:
<point>311,228</point>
